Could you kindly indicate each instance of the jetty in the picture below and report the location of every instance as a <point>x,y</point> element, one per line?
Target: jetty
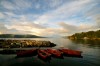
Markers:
<point>25,43</point>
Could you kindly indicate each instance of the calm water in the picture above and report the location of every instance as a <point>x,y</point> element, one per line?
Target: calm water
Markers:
<point>90,49</point>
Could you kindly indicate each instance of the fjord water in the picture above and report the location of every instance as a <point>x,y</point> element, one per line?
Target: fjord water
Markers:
<point>90,49</point>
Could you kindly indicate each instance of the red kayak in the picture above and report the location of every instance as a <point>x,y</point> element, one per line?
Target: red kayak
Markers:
<point>44,51</point>
<point>26,53</point>
<point>43,55</point>
<point>55,53</point>
<point>70,52</point>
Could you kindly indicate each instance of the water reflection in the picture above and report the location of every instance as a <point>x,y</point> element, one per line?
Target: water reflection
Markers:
<point>45,60</point>
<point>88,43</point>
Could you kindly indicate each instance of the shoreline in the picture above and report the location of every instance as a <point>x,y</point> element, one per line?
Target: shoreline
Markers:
<point>84,38</point>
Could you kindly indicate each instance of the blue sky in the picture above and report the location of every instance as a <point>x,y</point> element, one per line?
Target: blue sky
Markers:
<point>49,17</point>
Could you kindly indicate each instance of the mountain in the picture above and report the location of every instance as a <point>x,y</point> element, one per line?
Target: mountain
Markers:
<point>18,36</point>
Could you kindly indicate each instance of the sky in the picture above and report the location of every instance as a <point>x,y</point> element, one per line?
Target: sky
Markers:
<point>52,18</point>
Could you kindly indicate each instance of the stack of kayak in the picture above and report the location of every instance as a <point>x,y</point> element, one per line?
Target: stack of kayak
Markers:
<point>48,53</point>
<point>43,54</point>
<point>55,53</point>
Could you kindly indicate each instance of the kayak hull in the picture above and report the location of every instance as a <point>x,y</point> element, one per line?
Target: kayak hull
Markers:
<point>73,53</point>
<point>55,53</point>
<point>25,53</point>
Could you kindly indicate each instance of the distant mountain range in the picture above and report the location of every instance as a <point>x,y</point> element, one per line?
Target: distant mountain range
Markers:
<point>18,36</point>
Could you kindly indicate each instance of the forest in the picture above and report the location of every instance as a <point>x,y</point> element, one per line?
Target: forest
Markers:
<point>86,35</point>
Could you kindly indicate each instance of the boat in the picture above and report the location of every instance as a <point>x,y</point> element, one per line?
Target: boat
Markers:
<point>55,53</point>
<point>43,55</point>
<point>69,52</point>
<point>27,53</point>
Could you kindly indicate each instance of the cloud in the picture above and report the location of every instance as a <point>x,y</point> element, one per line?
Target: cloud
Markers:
<point>97,20</point>
<point>9,14</point>
<point>7,5</point>
<point>52,32</point>
<point>37,6</point>
<point>71,29</point>
<point>2,15</point>
<point>3,29</point>
<point>54,3</point>
<point>63,12</point>
<point>27,27</point>
<point>0,33</point>
<point>23,3</point>
<point>36,29</point>
<point>16,4</point>
<point>49,17</point>
<point>17,30</point>
<point>67,10</point>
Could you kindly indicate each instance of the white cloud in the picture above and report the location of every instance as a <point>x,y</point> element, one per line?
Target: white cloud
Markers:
<point>43,19</point>
<point>97,19</point>
<point>3,29</point>
<point>7,5</point>
<point>54,3</point>
<point>71,29</point>
<point>26,27</point>
<point>67,26</point>
<point>23,3</point>
<point>63,12</point>
<point>16,4</point>
<point>37,24</point>
<point>9,14</point>
<point>2,15</point>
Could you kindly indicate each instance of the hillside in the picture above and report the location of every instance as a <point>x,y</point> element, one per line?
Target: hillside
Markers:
<point>18,36</point>
<point>86,35</point>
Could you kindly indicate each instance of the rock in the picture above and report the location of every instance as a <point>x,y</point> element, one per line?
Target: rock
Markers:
<point>25,43</point>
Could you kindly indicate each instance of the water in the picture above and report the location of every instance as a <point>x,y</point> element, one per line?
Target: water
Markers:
<point>90,49</point>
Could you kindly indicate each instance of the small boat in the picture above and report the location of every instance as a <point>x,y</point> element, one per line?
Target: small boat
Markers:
<point>69,52</point>
<point>55,53</point>
<point>27,53</point>
<point>43,55</point>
